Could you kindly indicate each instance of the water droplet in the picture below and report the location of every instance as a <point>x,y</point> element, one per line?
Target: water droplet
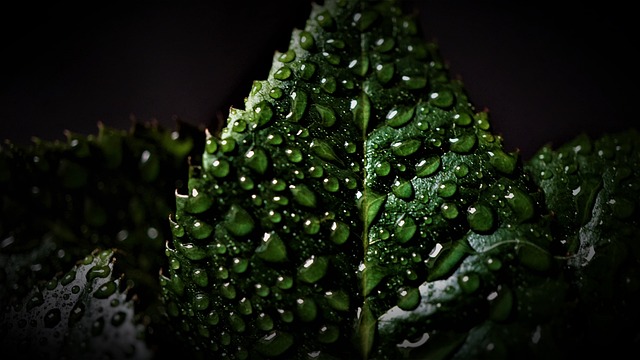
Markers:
<point>228,291</point>
<point>313,269</point>
<point>502,161</point>
<point>339,232</point>
<point>246,183</point>
<point>284,282</point>
<point>274,139</point>
<point>262,290</point>
<point>198,202</point>
<point>351,147</point>
<point>311,226</point>
<point>244,306</point>
<point>239,265</point>
<point>324,150</point>
<point>402,189</point>
<point>274,344</point>
<point>98,272</point>
<point>447,189</point>
<point>118,318</point>
<point>363,20</point>
<point>469,282</point>
<point>307,70</point>
<point>200,230</point>
<point>405,228</point>
<point>428,166</point>
<point>264,322</point>
<point>219,168</point>
<point>280,200</point>
<point>306,40</point>
<point>222,273</point>
<point>298,106</point>
<point>461,170</point>
<point>287,56</point>
<point>409,299</point>
<point>449,210</point>
<point>105,290</point>
<point>494,264</point>
<point>306,309</point>
<point>360,66</point>
<point>327,116</point>
<point>303,195</point>
<point>328,84</point>
<point>399,116</point>
<point>331,58</point>
<point>521,204</point>
<point>256,160</point>
<point>68,278</point>
<point>282,73</point>
<point>238,221</point>
<point>286,315</point>
<point>384,44</point>
<point>272,248</point>
<point>77,313</point>
<point>405,147</point>
<point>275,93</point>
<point>200,277</point>
<point>52,318</point>
<point>414,82</point>
<point>463,118</point>
<point>382,168</point>
<point>385,72</point>
<point>331,184</point>
<point>211,145</point>
<point>482,120</point>
<point>191,251</point>
<point>236,322</point>
<point>227,145</point>
<point>264,112</point>
<point>316,171</point>
<point>480,218</point>
<point>328,334</point>
<point>200,301</point>
<point>442,98</point>
<point>463,144</point>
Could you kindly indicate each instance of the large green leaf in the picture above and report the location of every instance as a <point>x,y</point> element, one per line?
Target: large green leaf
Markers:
<point>359,205</point>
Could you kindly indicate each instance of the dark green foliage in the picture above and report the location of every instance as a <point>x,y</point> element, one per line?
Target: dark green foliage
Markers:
<point>82,314</point>
<point>359,206</point>
<point>62,200</point>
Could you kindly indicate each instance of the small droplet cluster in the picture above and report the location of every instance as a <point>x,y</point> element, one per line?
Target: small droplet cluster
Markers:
<point>81,314</point>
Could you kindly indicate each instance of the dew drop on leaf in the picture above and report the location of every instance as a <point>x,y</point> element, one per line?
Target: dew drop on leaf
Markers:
<point>306,309</point>
<point>52,318</point>
<point>274,344</point>
<point>428,166</point>
<point>272,248</point>
<point>313,269</point>
<point>480,218</point>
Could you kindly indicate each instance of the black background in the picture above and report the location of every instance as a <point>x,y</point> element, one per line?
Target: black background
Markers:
<point>546,72</point>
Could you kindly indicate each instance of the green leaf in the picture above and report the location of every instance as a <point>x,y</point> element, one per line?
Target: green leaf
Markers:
<point>82,314</point>
<point>381,180</point>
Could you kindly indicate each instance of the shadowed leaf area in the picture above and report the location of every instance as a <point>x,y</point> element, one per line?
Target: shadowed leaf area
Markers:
<point>357,206</point>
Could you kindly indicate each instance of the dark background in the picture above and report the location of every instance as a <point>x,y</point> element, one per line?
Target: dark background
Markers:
<point>546,73</point>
